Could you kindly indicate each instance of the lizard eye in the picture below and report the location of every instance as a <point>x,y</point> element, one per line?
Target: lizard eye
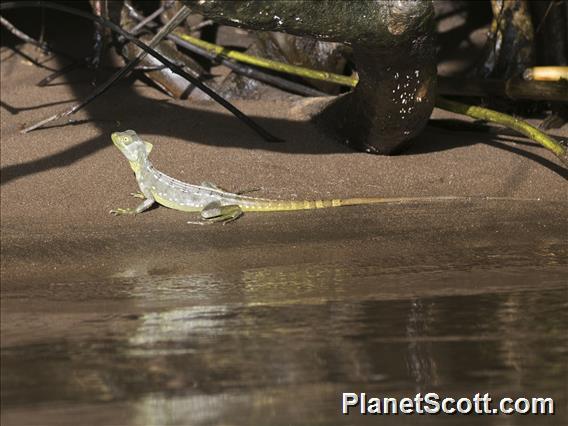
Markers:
<point>125,139</point>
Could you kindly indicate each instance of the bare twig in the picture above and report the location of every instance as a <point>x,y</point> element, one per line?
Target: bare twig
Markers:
<point>271,64</point>
<point>23,36</point>
<point>548,9</point>
<point>174,67</point>
<point>251,72</point>
<point>148,19</point>
<point>202,24</point>
<point>26,38</point>
<point>236,66</point>
<point>180,16</point>
<point>46,48</point>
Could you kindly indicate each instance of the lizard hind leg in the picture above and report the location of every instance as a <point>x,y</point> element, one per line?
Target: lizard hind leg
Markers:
<point>215,212</point>
<point>228,214</point>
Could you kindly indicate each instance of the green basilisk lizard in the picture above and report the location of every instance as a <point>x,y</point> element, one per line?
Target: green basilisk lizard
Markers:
<point>214,203</point>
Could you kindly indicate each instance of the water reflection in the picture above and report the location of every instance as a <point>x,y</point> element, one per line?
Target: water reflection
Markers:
<point>246,347</point>
<point>420,361</point>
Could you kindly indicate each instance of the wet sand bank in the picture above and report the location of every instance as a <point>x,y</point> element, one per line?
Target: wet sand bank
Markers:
<point>59,183</point>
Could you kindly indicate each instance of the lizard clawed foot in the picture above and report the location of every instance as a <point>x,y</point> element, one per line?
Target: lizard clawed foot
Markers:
<point>214,212</point>
<point>119,211</point>
<point>138,195</point>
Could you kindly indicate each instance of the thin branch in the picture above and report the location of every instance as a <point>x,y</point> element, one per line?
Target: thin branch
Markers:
<point>174,67</point>
<point>76,63</point>
<point>236,66</point>
<point>22,35</point>
<point>249,71</point>
<point>507,121</point>
<point>26,38</point>
<point>180,16</point>
<point>268,63</point>
<point>148,19</point>
<point>202,24</point>
<point>548,9</point>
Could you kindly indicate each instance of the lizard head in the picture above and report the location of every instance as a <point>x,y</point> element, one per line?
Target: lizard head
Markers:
<point>130,144</point>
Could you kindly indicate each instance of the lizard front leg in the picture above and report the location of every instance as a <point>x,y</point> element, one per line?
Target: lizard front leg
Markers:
<point>144,205</point>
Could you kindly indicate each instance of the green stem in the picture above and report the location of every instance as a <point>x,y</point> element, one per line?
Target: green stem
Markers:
<point>507,121</point>
<point>267,63</point>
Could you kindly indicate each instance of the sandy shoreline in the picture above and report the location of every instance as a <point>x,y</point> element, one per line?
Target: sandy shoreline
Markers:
<point>59,183</point>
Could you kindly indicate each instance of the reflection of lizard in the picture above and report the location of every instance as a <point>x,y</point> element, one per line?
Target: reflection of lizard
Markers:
<point>215,204</point>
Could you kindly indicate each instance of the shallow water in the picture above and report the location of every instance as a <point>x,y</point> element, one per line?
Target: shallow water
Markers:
<point>279,344</point>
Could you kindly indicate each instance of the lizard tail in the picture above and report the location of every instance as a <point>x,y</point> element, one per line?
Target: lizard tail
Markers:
<point>275,205</point>
<point>398,200</point>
